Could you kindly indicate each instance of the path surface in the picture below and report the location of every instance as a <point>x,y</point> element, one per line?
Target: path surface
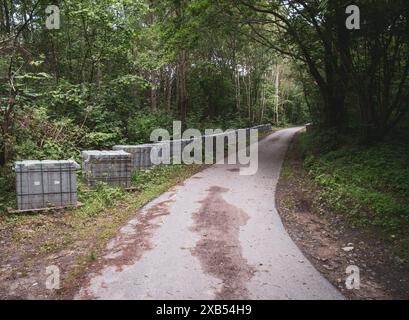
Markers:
<point>216,236</point>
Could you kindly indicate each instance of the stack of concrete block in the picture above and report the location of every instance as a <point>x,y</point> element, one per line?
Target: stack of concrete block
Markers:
<point>48,183</point>
<point>166,149</point>
<point>41,184</point>
<point>174,146</point>
<point>144,156</point>
<point>209,142</point>
<point>185,143</point>
<point>267,128</point>
<point>263,128</point>
<point>111,167</point>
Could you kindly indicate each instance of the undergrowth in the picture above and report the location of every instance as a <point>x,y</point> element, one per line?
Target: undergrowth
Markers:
<point>368,184</point>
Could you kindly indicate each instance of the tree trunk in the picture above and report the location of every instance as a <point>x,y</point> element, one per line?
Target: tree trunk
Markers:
<point>154,92</point>
<point>181,94</point>
<point>169,78</point>
<point>277,93</point>
<point>263,102</point>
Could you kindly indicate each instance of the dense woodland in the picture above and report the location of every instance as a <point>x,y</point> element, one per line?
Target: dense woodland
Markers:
<point>116,69</point>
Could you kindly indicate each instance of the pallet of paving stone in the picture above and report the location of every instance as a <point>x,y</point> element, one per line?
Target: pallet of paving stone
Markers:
<point>17,211</point>
<point>111,167</point>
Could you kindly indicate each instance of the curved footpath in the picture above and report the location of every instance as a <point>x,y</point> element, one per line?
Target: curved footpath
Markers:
<point>216,236</point>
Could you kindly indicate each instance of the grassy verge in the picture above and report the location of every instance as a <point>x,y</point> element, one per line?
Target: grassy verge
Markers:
<point>368,185</point>
<point>72,239</point>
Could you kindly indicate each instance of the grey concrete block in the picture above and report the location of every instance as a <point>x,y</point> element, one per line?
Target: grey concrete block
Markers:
<point>111,167</point>
<point>144,156</point>
<point>48,183</point>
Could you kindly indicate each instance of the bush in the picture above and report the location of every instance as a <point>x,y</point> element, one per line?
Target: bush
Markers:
<point>141,126</point>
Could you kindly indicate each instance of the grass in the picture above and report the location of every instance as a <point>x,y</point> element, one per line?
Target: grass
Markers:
<point>367,184</point>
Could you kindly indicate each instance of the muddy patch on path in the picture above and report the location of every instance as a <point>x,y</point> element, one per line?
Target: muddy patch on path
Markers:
<point>219,249</point>
<point>133,240</point>
<point>132,243</point>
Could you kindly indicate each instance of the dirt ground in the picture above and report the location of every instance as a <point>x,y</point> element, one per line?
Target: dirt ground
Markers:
<point>331,244</point>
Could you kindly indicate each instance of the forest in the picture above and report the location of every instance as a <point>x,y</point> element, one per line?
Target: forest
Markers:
<point>116,69</point>
<point>108,72</point>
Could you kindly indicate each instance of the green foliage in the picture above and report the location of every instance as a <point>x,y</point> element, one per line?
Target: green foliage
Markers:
<point>7,195</point>
<point>40,137</point>
<point>141,126</point>
<point>100,199</point>
<point>368,184</point>
<point>359,78</point>
<point>155,176</point>
<point>322,141</point>
<point>100,140</point>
